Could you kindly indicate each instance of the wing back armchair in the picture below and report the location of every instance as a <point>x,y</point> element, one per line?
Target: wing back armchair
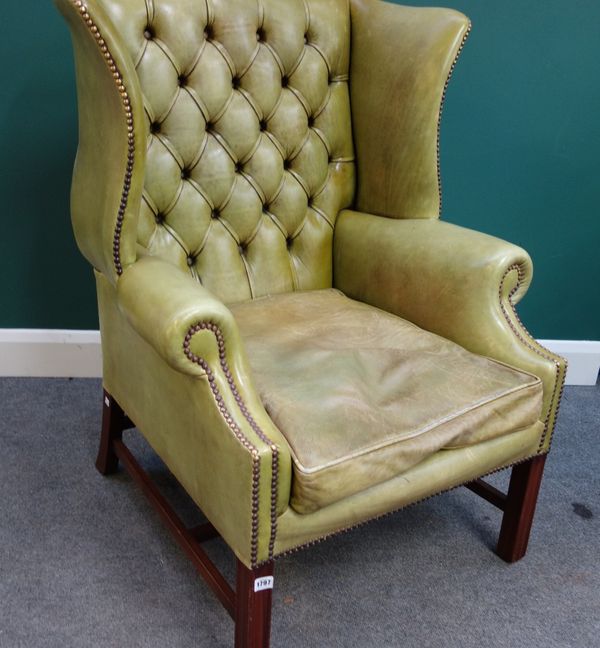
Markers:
<point>284,317</point>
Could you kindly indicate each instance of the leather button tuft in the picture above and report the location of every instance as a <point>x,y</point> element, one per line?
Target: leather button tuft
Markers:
<point>306,38</point>
<point>260,35</point>
<point>215,214</point>
<point>239,167</point>
<point>285,81</point>
<point>311,121</point>
<point>182,80</point>
<point>287,164</point>
<point>185,174</point>
<point>191,261</point>
<point>242,247</point>
<point>235,82</point>
<point>289,242</point>
<point>148,33</point>
<point>263,124</point>
<point>265,207</point>
<point>209,33</point>
<point>209,126</point>
<point>159,218</point>
<point>311,202</point>
<point>155,127</point>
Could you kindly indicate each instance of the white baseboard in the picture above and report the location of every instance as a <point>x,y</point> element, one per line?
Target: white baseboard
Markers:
<point>77,354</point>
<point>583,357</point>
<point>50,353</point>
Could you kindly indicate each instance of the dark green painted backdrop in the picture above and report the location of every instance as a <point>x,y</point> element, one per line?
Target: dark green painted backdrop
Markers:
<point>520,158</point>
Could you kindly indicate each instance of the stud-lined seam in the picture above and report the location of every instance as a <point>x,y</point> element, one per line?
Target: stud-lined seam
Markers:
<point>525,338</point>
<point>118,79</point>
<point>439,124</point>
<point>208,326</point>
<point>357,525</point>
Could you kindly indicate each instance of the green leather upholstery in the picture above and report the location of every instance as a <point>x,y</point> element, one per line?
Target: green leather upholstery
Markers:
<point>362,396</point>
<point>400,52</point>
<point>111,154</point>
<point>248,136</point>
<point>216,166</point>
<point>439,472</point>
<point>455,282</point>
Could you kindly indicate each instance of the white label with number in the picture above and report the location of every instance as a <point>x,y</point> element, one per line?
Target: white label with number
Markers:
<point>264,583</point>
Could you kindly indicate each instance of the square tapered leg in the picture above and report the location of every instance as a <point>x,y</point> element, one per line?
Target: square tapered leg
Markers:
<point>253,599</point>
<point>519,509</point>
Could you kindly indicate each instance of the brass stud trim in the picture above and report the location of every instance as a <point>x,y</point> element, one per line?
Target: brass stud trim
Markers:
<point>234,427</point>
<point>122,90</point>
<point>525,338</point>
<point>439,124</point>
<point>326,536</point>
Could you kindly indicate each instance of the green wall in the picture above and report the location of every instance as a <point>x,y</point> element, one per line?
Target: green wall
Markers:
<point>520,158</point>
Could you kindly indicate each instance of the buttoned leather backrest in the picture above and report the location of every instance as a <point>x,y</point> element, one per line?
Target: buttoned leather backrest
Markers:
<point>250,155</point>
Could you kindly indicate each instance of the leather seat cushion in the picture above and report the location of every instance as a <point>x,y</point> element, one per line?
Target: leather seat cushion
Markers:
<point>362,395</point>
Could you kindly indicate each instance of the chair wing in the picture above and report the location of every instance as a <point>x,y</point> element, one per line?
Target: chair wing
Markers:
<point>402,60</point>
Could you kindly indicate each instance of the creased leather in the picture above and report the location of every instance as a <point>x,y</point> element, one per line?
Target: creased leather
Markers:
<point>452,281</point>
<point>441,471</point>
<point>362,395</point>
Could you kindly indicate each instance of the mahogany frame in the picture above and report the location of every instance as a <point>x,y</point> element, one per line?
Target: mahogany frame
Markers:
<point>518,506</point>
<point>251,610</point>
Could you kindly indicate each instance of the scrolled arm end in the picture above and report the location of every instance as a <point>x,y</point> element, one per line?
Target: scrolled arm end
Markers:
<point>185,323</point>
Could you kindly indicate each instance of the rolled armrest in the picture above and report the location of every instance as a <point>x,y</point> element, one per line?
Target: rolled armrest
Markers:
<point>197,335</point>
<point>164,305</point>
<point>455,282</point>
<point>402,58</point>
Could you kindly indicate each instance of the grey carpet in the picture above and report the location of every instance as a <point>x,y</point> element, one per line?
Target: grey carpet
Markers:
<point>84,561</point>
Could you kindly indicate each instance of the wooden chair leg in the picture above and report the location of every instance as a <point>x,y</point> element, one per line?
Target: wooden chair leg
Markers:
<point>519,509</point>
<point>113,424</point>
<point>253,598</point>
